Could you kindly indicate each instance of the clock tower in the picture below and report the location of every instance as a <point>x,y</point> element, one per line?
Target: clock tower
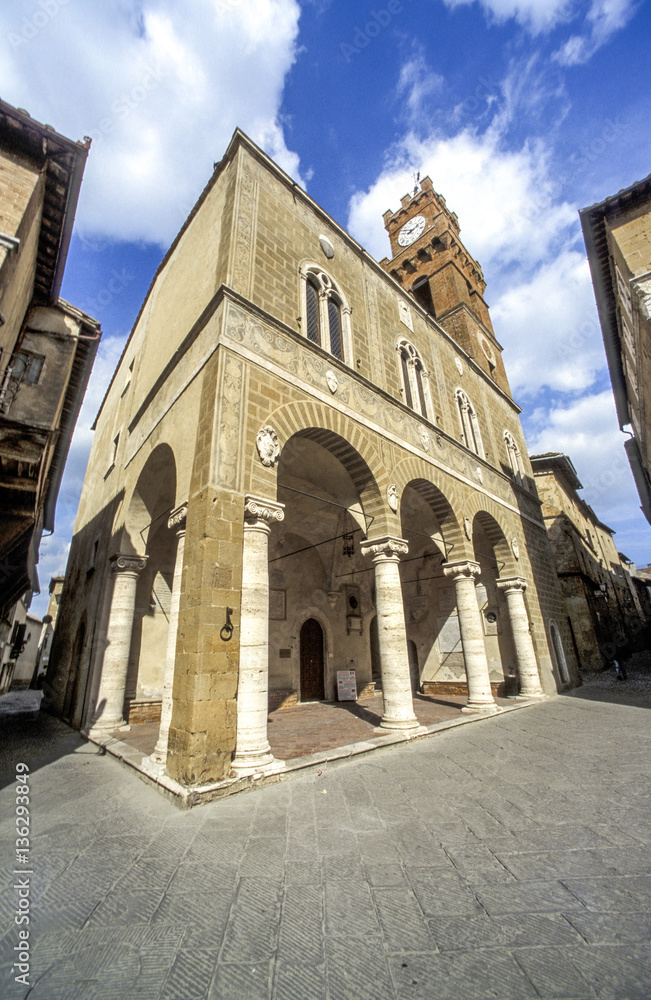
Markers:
<point>430,261</point>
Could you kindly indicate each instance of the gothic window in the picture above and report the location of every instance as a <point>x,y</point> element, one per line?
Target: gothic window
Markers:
<point>415,380</point>
<point>325,312</point>
<point>469,423</point>
<point>515,458</point>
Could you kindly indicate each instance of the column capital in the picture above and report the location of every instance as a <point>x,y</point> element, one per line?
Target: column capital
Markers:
<point>122,563</point>
<point>178,516</point>
<point>384,547</point>
<point>513,583</point>
<point>464,568</point>
<point>259,509</point>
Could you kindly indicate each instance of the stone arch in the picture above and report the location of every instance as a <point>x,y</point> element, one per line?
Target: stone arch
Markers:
<point>427,481</point>
<point>345,439</point>
<point>153,495</point>
<point>485,511</point>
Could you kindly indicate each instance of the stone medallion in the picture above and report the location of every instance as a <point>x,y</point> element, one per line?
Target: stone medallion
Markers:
<point>459,366</point>
<point>516,549</point>
<point>467,527</point>
<point>392,497</point>
<point>424,436</point>
<point>479,474</point>
<point>266,441</point>
<point>333,381</point>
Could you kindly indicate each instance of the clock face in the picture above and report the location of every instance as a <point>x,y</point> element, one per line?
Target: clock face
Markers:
<point>411,230</point>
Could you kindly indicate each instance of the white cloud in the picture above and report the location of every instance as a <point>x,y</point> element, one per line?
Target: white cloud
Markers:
<point>159,86</point>
<point>549,328</point>
<point>505,199</point>
<point>416,82</point>
<point>587,431</point>
<point>604,18</point>
<point>536,16</point>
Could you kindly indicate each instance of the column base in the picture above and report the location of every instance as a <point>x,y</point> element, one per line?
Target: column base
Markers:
<point>401,725</point>
<point>255,763</point>
<point>102,729</point>
<point>536,696</point>
<point>481,709</point>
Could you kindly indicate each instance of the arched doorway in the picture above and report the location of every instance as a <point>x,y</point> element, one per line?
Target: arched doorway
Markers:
<point>311,653</point>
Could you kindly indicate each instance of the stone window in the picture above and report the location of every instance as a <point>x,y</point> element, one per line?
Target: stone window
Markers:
<point>27,367</point>
<point>325,312</point>
<point>469,423</point>
<point>415,379</point>
<point>515,457</point>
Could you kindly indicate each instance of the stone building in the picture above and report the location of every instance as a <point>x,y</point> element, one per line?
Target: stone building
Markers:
<point>617,235</point>
<point>603,608</point>
<point>305,463</point>
<point>47,346</point>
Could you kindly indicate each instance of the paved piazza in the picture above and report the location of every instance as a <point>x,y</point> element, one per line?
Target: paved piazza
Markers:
<point>504,859</point>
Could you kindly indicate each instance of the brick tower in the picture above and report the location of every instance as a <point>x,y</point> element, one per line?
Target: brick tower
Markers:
<point>430,261</point>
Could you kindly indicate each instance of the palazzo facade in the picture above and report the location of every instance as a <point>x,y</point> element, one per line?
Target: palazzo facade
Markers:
<point>306,462</point>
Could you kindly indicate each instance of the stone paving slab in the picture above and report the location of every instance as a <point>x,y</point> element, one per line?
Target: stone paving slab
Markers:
<point>506,860</point>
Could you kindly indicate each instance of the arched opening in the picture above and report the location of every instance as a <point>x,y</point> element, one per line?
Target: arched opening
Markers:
<point>433,638</point>
<point>316,570</point>
<point>147,533</point>
<point>494,556</point>
<point>312,685</point>
<point>74,681</point>
<point>559,652</point>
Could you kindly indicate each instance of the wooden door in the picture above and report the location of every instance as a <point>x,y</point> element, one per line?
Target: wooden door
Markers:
<point>312,685</point>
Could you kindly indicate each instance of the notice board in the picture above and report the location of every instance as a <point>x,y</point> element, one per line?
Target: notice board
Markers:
<point>346,685</point>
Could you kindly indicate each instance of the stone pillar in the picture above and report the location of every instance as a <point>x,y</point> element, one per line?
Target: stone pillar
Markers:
<point>392,637</point>
<point>109,709</point>
<point>480,696</point>
<point>175,522</point>
<point>252,751</point>
<point>530,686</point>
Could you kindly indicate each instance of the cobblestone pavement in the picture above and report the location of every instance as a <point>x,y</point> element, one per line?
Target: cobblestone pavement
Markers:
<point>503,859</point>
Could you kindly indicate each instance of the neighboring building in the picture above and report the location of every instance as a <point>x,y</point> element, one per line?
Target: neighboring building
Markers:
<point>13,628</point>
<point>47,632</point>
<point>299,470</point>
<point>603,609</point>
<point>28,657</point>
<point>47,347</point>
<point>617,235</point>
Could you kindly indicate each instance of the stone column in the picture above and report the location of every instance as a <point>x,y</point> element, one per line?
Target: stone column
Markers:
<point>175,522</point>
<point>392,637</point>
<point>480,696</point>
<point>109,709</point>
<point>530,686</point>
<point>252,751</point>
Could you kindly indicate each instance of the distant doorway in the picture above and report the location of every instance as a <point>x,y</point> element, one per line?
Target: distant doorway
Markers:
<point>312,685</point>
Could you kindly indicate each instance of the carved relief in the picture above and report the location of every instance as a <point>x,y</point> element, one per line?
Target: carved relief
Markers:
<point>263,510</point>
<point>392,497</point>
<point>266,441</point>
<point>229,420</point>
<point>424,437</point>
<point>467,527</point>
<point>245,232</point>
<point>333,382</point>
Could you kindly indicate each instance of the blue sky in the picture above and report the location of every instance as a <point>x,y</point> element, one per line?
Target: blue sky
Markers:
<point>521,111</point>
